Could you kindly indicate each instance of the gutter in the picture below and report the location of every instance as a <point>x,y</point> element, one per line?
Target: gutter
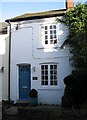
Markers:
<point>9,59</point>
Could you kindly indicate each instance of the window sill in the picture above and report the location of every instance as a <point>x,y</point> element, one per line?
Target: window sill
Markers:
<point>47,47</point>
<point>49,88</point>
<point>40,47</point>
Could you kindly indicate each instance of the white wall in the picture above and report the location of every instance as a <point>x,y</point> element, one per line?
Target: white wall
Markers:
<point>27,48</point>
<point>5,73</point>
<point>0,78</point>
<point>4,63</point>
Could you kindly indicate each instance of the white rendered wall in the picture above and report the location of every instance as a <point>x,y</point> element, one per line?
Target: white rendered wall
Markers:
<point>0,79</point>
<point>2,52</point>
<point>27,48</point>
<point>5,73</point>
<point>4,63</point>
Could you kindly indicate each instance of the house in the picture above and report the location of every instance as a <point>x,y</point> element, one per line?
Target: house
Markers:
<point>3,61</point>
<point>0,78</point>
<point>36,57</point>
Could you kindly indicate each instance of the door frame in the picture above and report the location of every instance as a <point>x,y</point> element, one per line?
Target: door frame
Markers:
<point>18,77</point>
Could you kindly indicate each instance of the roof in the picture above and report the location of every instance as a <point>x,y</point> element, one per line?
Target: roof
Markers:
<point>3,28</point>
<point>37,15</point>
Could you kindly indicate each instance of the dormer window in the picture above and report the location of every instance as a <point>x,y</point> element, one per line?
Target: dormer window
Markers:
<point>49,34</point>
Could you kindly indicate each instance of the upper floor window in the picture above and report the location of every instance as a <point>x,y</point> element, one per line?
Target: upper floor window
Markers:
<point>50,34</point>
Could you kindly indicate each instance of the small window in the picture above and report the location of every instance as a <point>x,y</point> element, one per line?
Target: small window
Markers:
<point>50,34</point>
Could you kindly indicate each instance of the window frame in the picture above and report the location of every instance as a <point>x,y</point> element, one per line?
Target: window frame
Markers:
<point>55,82</point>
<point>46,29</point>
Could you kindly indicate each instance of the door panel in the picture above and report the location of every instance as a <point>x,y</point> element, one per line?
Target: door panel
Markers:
<point>24,81</point>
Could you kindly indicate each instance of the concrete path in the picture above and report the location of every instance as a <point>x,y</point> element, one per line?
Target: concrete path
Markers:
<point>0,110</point>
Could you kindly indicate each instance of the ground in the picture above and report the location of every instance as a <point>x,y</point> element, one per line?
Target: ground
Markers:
<point>42,112</point>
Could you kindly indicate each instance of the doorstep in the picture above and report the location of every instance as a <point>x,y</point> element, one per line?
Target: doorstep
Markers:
<point>22,103</point>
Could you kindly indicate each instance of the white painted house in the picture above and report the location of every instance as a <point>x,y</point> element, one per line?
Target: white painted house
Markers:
<point>3,62</point>
<point>0,79</point>
<point>37,59</point>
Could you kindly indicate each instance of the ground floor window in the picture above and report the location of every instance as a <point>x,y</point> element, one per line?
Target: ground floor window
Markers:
<point>49,74</point>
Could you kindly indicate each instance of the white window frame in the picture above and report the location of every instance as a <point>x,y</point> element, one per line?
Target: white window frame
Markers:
<point>55,82</point>
<point>51,42</point>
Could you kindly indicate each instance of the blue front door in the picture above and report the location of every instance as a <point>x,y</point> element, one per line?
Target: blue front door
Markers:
<point>24,81</point>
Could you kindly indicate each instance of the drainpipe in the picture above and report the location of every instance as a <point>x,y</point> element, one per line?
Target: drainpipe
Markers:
<point>9,59</point>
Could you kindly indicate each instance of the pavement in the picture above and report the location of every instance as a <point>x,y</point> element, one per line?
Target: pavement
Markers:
<point>0,110</point>
<point>37,112</point>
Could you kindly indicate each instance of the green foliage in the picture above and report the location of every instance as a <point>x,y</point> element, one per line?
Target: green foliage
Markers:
<point>76,87</point>
<point>76,83</point>
<point>76,20</point>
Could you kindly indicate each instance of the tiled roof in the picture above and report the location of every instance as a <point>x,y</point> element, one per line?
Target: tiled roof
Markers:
<point>3,27</point>
<point>37,15</point>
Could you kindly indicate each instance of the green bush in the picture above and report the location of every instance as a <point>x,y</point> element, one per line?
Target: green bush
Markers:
<point>76,86</point>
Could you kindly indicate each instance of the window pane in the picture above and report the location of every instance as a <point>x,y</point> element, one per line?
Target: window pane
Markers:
<point>51,72</point>
<point>55,36</point>
<point>55,82</point>
<point>42,72</point>
<point>46,77</point>
<point>54,31</point>
<point>46,42</point>
<point>45,27</point>
<point>55,66</point>
<point>46,66</point>
<point>46,82</point>
<point>42,77</point>
<point>55,77</point>
<point>51,66</point>
<point>55,72</point>
<point>46,72</point>
<point>51,41</point>
<point>51,82</point>
<point>51,27</point>
<point>51,36</point>
<point>42,67</point>
<point>46,32</point>
<point>42,82</point>
<point>51,32</point>
<point>55,41</point>
<point>51,77</point>
<point>46,37</point>
<point>54,26</point>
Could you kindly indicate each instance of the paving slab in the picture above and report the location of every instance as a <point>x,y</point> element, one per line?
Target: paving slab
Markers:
<point>12,111</point>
